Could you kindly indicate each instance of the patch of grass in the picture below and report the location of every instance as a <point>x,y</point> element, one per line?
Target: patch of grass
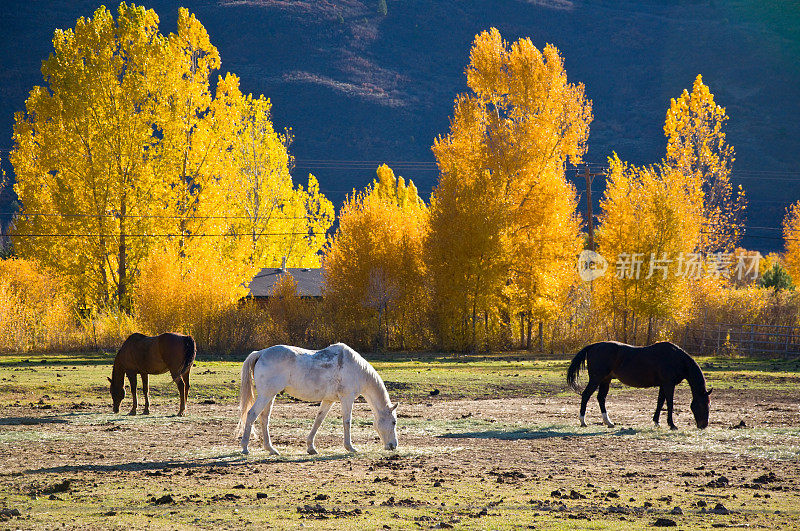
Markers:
<point>444,474</point>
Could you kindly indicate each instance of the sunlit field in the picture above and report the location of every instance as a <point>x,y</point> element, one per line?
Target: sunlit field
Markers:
<point>485,442</point>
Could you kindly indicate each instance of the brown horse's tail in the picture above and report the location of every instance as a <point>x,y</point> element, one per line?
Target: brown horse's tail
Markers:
<point>189,354</point>
<point>575,368</point>
<point>247,391</point>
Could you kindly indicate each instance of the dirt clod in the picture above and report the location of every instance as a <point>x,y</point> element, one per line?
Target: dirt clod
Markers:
<point>664,522</point>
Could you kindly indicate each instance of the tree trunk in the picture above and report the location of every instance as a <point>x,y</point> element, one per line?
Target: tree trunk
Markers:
<point>522,330</point>
<point>529,342</point>
<point>474,325</point>
<point>541,336</point>
<point>122,290</point>
<point>624,326</point>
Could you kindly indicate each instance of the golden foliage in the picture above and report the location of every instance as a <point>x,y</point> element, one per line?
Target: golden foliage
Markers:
<point>791,238</point>
<point>373,268</point>
<point>650,223</point>
<point>126,149</point>
<point>697,148</point>
<point>291,317</point>
<point>176,295</point>
<point>504,232</point>
<point>717,303</point>
<point>35,310</point>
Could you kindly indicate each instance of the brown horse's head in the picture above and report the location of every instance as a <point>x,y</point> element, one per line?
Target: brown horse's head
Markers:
<point>700,408</point>
<point>117,394</point>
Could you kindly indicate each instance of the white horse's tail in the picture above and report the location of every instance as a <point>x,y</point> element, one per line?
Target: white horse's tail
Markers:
<point>247,390</point>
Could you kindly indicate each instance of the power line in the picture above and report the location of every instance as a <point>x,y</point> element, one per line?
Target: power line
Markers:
<point>164,235</point>
<point>155,216</point>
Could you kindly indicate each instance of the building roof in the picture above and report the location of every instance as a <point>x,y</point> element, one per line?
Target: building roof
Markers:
<point>309,281</point>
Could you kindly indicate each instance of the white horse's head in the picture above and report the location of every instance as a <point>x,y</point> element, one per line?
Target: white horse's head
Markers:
<point>386,426</point>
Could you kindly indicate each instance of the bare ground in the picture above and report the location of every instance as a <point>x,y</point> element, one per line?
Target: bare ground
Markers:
<point>501,463</point>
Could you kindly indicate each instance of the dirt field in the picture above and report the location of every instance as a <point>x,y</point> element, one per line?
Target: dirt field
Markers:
<point>506,463</point>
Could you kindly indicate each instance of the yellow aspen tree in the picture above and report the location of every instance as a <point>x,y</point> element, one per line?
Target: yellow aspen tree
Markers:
<point>374,268</point>
<point>791,238</point>
<point>271,219</point>
<point>502,205</point>
<point>650,224</point>
<point>126,151</point>
<point>697,148</point>
<point>83,152</point>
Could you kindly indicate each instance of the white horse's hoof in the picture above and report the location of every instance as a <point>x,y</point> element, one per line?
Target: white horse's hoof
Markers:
<point>312,451</point>
<point>245,451</point>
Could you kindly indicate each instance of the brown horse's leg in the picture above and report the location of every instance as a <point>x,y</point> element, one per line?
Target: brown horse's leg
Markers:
<point>186,389</point>
<point>670,392</point>
<point>146,393</point>
<point>602,392</point>
<point>132,380</point>
<point>662,395</point>
<point>587,394</point>
<point>181,387</point>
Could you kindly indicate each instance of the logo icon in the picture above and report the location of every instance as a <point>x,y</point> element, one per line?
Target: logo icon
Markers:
<point>591,265</point>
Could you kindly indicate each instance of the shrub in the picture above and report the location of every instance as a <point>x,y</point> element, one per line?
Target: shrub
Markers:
<point>196,299</point>
<point>35,310</point>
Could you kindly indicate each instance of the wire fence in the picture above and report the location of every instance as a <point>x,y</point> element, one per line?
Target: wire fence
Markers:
<point>748,339</point>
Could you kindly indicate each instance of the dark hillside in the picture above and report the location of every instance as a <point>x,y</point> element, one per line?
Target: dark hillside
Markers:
<point>357,86</point>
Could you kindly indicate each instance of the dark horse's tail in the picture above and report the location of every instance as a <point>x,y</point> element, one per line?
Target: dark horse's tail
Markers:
<point>189,354</point>
<point>575,368</point>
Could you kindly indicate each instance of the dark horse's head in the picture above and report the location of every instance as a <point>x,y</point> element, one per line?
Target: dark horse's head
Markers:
<point>700,407</point>
<point>117,394</point>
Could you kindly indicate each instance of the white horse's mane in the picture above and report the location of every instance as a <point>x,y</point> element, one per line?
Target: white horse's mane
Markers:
<point>367,369</point>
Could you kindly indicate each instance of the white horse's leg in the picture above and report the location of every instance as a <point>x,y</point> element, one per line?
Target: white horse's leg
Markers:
<point>258,406</point>
<point>324,407</point>
<point>265,427</point>
<point>347,414</point>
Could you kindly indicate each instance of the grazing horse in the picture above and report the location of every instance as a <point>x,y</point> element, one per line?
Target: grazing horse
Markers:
<point>145,355</point>
<point>663,365</point>
<point>334,374</point>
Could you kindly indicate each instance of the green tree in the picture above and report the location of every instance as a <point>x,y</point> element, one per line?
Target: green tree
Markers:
<point>776,278</point>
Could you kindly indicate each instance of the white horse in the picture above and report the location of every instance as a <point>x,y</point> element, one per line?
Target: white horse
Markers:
<point>336,373</point>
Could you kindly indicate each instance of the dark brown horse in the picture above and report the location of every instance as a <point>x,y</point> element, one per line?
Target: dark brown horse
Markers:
<point>663,365</point>
<point>145,355</point>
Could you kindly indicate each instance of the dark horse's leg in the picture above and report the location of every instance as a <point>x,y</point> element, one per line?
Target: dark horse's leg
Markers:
<point>662,395</point>
<point>587,394</point>
<point>670,392</point>
<point>146,393</point>
<point>602,392</point>
<point>132,380</point>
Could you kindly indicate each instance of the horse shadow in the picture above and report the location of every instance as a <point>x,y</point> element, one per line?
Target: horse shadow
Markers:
<point>535,433</point>
<point>228,462</point>
<point>31,421</point>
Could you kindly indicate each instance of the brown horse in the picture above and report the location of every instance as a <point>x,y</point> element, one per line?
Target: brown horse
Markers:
<point>145,355</point>
<point>663,365</point>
